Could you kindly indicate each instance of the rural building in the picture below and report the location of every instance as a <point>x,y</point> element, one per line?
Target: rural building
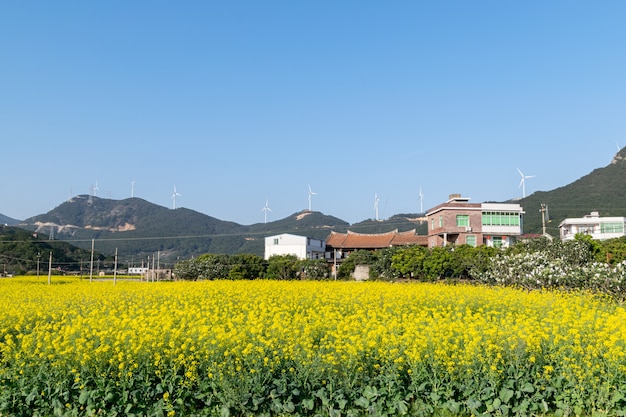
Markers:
<point>592,224</point>
<point>458,222</point>
<point>301,246</point>
<point>340,245</point>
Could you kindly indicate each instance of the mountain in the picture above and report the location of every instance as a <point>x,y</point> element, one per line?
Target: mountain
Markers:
<point>400,222</point>
<point>7,221</point>
<point>24,252</point>
<point>140,229</point>
<point>602,190</point>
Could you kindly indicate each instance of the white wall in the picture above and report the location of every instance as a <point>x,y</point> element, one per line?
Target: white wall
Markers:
<point>300,246</point>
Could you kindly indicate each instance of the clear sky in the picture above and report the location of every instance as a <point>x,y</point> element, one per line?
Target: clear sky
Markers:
<point>236,102</point>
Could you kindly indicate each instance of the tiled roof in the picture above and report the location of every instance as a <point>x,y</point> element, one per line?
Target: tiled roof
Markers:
<point>353,240</point>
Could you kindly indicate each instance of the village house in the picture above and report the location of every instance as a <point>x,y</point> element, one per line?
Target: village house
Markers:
<point>458,222</point>
<point>592,224</point>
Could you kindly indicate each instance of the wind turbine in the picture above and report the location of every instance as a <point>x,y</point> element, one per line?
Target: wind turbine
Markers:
<point>522,183</point>
<point>174,195</point>
<point>420,197</point>
<point>311,193</point>
<point>376,200</point>
<point>266,209</point>
<point>95,189</point>
<point>132,189</point>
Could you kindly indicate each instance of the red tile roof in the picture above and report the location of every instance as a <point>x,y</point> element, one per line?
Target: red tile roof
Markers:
<point>353,240</point>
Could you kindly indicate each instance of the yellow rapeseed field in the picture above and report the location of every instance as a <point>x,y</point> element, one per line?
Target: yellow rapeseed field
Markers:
<point>279,348</point>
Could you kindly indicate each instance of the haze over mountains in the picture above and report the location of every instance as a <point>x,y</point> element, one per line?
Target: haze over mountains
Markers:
<point>138,228</point>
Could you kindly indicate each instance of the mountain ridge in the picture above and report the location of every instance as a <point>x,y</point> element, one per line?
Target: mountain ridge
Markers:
<point>141,228</point>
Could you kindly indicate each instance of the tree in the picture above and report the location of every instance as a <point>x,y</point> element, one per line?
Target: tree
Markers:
<point>282,267</point>
<point>382,268</point>
<point>409,262</point>
<point>439,263</point>
<point>315,269</point>
<point>246,266</point>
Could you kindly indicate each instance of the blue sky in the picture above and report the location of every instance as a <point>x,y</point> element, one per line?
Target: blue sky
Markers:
<point>238,102</point>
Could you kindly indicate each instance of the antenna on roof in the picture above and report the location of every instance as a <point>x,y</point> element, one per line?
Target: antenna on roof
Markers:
<point>266,209</point>
<point>522,183</point>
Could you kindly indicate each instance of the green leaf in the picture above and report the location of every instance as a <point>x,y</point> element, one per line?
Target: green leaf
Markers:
<point>473,404</point>
<point>84,397</point>
<point>308,403</point>
<point>506,395</point>
<point>402,407</point>
<point>370,392</point>
<point>342,403</point>
<point>528,387</point>
<point>289,407</point>
<point>453,406</point>
<point>362,402</point>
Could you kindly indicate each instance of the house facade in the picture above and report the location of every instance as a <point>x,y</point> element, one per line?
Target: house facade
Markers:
<point>460,222</point>
<point>301,246</point>
<point>599,228</point>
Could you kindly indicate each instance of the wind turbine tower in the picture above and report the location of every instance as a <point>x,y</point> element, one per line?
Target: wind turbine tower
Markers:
<point>174,195</point>
<point>376,200</point>
<point>132,189</point>
<point>522,183</point>
<point>311,193</point>
<point>421,199</point>
<point>265,209</point>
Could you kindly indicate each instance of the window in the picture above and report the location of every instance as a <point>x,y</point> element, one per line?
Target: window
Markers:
<point>432,224</point>
<point>440,221</point>
<point>275,241</point>
<point>497,241</point>
<point>470,240</point>
<point>612,227</point>
<point>462,220</point>
<point>500,218</point>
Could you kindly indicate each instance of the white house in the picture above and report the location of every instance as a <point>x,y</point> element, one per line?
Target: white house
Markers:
<point>301,246</point>
<point>592,224</point>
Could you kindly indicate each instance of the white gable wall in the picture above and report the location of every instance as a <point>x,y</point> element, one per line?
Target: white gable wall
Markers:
<point>301,246</point>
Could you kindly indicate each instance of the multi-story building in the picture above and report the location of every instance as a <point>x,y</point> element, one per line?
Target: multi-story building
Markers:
<point>592,224</point>
<point>459,222</point>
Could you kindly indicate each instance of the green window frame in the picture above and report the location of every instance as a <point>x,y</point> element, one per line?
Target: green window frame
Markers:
<point>470,240</point>
<point>462,220</point>
<point>500,218</point>
<point>612,227</point>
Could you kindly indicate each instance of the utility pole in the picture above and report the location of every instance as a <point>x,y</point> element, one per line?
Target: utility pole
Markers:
<point>545,217</point>
<point>91,265</point>
<point>50,268</point>
<point>115,269</point>
<point>38,258</point>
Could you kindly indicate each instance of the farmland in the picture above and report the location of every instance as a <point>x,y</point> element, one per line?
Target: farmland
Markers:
<point>306,348</point>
